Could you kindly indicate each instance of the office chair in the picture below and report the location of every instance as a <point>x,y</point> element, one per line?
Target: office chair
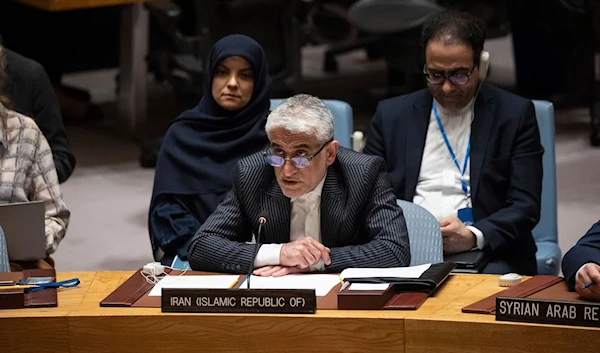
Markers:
<point>391,29</point>
<point>424,234</point>
<point>545,233</point>
<point>4,263</point>
<point>343,123</point>
<point>187,29</point>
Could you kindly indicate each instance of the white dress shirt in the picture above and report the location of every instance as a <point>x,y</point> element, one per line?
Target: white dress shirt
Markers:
<point>439,187</point>
<point>305,220</point>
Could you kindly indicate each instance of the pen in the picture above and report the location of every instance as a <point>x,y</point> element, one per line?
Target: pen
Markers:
<point>233,283</point>
<point>17,286</point>
<point>588,285</point>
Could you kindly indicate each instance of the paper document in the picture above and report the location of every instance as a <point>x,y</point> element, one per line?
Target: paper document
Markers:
<point>196,282</point>
<point>368,286</point>
<point>321,283</point>
<point>390,272</point>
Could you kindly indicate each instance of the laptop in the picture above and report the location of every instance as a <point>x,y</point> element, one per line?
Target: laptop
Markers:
<point>24,228</point>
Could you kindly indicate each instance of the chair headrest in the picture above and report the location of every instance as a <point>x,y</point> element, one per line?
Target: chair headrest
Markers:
<point>391,16</point>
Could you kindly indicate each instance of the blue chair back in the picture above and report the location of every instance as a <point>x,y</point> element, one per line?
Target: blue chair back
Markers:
<point>424,234</point>
<point>545,232</point>
<point>343,123</point>
<point>4,263</point>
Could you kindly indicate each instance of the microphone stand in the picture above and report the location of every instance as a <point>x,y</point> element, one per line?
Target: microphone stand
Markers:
<point>261,222</point>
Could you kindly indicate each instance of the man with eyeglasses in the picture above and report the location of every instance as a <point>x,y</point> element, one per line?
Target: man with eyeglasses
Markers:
<point>465,150</point>
<point>329,208</point>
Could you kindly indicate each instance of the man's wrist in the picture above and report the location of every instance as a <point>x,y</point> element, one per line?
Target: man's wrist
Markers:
<point>268,255</point>
<point>479,238</point>
<point>581,268</point>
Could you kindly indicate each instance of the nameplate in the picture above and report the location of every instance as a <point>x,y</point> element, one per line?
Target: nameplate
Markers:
<point>548,311</point>
<point>273,301</point>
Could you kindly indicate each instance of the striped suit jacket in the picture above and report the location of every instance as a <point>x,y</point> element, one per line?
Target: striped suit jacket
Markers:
<point>360,220</point>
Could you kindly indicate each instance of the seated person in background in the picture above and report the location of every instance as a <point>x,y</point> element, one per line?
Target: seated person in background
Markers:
<point>202,145</point>
<point>328,209</point>
<point>581,264</point>
<point>29,89</point>
<point>27,172</point>
<point>473,160</point>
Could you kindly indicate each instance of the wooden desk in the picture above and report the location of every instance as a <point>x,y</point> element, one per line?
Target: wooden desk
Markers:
<point>80,324</point>
<point>132,100</point>
<point>440,326</point>
<point>45,329</point>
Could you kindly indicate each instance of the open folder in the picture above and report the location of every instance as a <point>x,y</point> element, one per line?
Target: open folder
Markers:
<point>408,287</point>
<point>422,278</point>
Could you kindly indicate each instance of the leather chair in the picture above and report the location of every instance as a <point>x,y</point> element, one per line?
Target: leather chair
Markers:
<point>545,233</point>
<point>424,234</point>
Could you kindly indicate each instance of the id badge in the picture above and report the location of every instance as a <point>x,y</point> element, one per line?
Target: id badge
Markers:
<point>466,216</point>
<point>38,280</point>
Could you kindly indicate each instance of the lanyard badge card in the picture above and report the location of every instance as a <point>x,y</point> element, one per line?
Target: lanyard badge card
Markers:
<point>464,214</point>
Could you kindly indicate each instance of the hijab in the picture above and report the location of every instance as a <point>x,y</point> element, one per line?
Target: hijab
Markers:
<point>203,144</point>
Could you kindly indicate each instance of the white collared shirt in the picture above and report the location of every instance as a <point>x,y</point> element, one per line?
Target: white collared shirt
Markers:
<point>305,220</point>
<point>439,186</point>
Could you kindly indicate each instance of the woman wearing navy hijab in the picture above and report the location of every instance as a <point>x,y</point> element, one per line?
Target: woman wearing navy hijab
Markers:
<point>202,146</point>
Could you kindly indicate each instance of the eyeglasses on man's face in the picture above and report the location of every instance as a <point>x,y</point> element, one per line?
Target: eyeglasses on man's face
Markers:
<point>455,78</point>
<point>277,160</point>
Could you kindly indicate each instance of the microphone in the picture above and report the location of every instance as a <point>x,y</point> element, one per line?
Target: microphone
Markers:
<point>262,220</point>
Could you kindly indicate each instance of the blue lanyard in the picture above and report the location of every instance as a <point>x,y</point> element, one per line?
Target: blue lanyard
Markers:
<point>464,169</point>
<point>70,283</point>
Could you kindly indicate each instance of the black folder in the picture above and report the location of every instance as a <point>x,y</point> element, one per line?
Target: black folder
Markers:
<point>427,283</point>
<point>468,261</point>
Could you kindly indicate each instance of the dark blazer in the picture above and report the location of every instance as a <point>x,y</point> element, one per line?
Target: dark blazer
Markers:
<point>29,88</point>
<point>505,165</point>
<point>586,250</point>
<point>360,220</point>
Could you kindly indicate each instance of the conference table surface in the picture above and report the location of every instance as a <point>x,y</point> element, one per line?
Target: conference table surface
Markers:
<point>80,324</point>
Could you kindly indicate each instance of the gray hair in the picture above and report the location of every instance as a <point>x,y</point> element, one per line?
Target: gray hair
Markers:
<point>305,114</point>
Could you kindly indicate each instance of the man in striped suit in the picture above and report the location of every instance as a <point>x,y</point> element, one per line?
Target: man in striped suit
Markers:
<point>329,208</point>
